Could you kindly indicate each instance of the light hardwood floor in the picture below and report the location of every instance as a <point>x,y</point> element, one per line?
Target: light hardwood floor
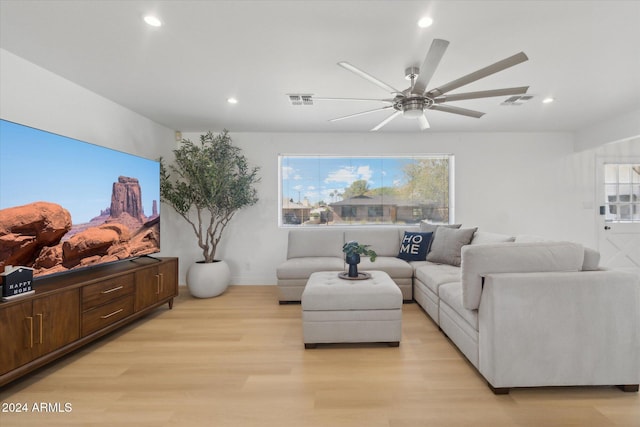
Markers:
<point>238,360</point>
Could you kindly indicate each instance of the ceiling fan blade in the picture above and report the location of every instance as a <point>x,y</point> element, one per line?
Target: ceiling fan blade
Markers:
<point>482,94</point>
<point>457,110</point>
<point>385,121</point>
<point>477,75</point>
<point>351,99</point>
<point>368,77</point>
<point>362,113</point>
<point>423,123</point>
<point>428,67</point>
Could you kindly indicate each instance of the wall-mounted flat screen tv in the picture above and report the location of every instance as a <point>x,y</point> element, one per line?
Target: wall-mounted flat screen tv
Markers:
<point>67,204</point>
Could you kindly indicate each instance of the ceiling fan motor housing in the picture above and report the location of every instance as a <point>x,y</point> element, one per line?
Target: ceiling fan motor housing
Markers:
<point>413,106</point>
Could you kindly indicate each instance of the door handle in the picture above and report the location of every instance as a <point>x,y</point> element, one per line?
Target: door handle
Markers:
<point>606,227</point>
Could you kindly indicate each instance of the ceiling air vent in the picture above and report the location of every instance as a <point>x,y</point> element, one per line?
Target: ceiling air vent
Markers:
<point>300,99</point>
<point>516,100</point>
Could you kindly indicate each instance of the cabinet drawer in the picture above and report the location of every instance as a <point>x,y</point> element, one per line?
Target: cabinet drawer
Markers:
<point>102,292</point>
<point>107,314</point>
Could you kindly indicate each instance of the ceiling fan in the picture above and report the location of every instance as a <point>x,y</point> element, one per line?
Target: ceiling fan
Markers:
<point>415,100</point>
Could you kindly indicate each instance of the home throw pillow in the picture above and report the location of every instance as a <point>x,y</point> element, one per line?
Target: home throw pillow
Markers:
<point>414,245</point>
<point>447,245</point>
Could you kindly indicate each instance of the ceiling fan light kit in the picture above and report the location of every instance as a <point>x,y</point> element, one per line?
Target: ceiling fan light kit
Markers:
<point>414,106</point>
<point>412,102</point>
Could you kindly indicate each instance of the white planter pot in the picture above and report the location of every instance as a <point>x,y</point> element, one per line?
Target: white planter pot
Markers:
<point>208,280</point>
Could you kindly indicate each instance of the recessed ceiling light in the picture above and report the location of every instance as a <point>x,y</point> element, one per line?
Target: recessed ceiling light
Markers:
<point>425,22</point>
<point>153,21</point>
<point>548,100</point>
<point>232,100</point>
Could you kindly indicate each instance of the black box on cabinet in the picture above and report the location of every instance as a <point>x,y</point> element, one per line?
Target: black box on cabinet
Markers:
<point>16,282</point>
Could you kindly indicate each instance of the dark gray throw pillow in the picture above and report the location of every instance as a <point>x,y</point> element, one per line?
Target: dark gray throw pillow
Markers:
<point>447,243</point>
<point>427,227</point>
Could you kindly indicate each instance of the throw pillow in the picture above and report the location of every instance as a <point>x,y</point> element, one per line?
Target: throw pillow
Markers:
<point>427,227</point>
<point>447,245</point>
<point>414,245</point>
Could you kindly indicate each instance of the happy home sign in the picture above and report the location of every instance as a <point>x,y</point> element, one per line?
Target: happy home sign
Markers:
<point>16,281</point>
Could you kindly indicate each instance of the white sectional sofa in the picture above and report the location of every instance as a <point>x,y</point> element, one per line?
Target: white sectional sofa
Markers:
<point>525,313</point>
<point>309,251</point>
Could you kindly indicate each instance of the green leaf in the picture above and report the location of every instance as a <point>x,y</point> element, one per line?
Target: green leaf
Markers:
<point>212,176</point>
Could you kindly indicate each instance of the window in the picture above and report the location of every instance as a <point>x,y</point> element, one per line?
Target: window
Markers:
<point>375,211</point>
<point>385,190</point>
<point>622,192</point>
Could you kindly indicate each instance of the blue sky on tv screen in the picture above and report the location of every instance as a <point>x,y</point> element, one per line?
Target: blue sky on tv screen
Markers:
<point>317,178</point>
<point>41,166</point>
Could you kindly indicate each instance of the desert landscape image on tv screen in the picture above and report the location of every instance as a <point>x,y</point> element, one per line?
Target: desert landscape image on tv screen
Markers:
<point>67,204</point>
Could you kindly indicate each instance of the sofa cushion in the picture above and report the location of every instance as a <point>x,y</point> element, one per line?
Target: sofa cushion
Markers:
<point>385,241</point>
<point>591,259</point>
<point>434,275</point>
<point>529,238</point>
<point>479,260</point>
<point>447,243</point>
<point>315,243</point>
<point>394,267</point>
<point>414,245</point>
<point>451,294</point>
<point>301,268</point>
<point>484,237</point>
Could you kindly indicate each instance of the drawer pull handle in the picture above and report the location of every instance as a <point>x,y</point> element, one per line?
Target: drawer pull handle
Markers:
<point>106,316</point>
<point>108,291</point>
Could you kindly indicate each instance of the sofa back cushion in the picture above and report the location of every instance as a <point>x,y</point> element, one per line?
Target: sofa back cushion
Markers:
<point>479,260</point>
<point>530,238</point>
<point>315,243</point>
<point>385,241</point>
<point>591,260</point>
<point>485,237</point>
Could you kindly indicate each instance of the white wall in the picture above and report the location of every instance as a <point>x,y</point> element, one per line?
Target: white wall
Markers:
<point>615,129</point>
<point>514,183</point>
<point>33,96</point>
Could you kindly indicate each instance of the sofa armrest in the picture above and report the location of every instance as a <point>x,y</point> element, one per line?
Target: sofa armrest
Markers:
<point>480,260</point>
<point>541,329</point>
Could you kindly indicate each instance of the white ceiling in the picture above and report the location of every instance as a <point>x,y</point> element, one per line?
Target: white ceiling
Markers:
<point>586,54</point>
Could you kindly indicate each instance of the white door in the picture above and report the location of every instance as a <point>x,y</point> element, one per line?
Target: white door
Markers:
<point>618,201</point>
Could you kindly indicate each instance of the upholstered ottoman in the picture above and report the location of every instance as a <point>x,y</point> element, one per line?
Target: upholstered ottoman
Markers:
<point>336,310</point>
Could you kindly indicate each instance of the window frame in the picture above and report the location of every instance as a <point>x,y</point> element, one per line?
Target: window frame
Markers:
<point>617,189</point>
<point>282,157</point>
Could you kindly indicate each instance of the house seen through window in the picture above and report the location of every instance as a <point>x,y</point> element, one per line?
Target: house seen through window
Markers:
<point>385,190</point>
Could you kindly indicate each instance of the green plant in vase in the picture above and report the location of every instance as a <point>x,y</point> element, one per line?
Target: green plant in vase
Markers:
<point>352,251</point>
<point>211,181</point>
